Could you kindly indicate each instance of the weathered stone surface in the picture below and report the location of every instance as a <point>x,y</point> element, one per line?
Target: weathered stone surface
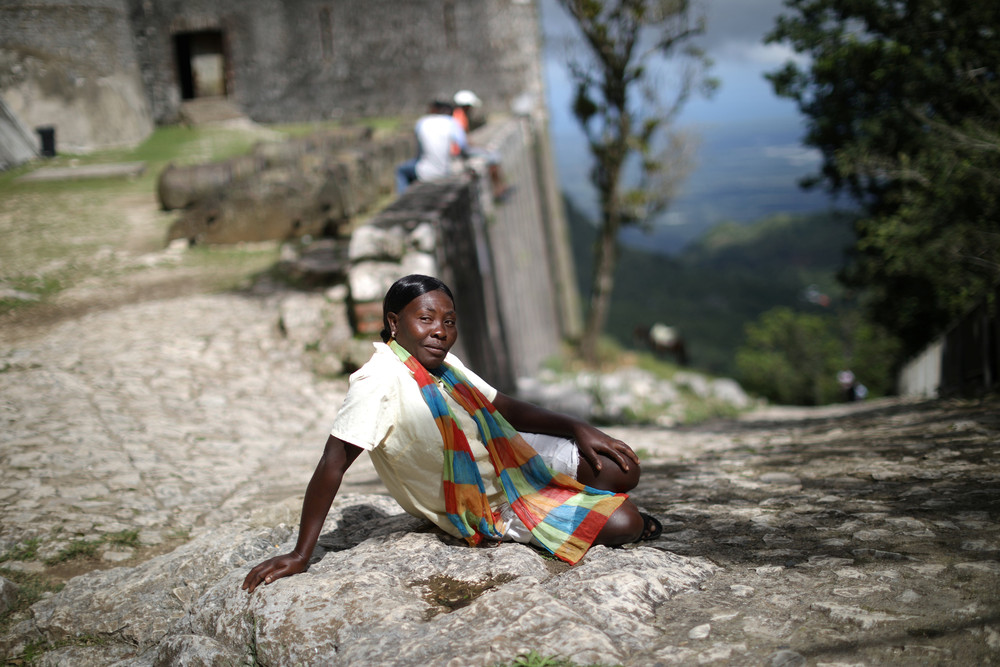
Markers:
<point>627,394</point>
<point>376,243</point>
<point>180,187</point>
<point>311,187</point>
<point>369,280</point>
<point>380,581</point>
<point>8,592</point>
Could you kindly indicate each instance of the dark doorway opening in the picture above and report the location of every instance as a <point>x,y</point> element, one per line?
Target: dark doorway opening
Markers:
<point>201,64</point>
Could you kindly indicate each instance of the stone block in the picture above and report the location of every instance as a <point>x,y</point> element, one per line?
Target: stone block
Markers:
<point>419,262</point>
<point>369,281</point>
<point>8,594</point>
<point>423,238</point>
<point>370,242</point>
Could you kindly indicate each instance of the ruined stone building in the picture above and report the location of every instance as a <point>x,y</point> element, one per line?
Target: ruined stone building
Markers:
<point>101,73</point>
<point>93,74</point>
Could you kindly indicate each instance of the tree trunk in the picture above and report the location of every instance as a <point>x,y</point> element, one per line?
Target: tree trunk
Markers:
<point>602,282</point>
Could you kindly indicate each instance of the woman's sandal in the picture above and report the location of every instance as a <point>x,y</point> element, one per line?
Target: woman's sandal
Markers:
<point>651,527</point>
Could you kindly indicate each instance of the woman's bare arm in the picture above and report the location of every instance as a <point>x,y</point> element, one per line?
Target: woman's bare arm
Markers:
<point>326,479</point>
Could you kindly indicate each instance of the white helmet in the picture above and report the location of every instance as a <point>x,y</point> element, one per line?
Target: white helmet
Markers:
<point>467,98</point>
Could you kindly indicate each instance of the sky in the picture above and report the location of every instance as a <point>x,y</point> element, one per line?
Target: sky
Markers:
<point>750,156</point>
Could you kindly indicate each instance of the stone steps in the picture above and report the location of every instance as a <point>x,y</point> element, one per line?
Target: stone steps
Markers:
<point>206,110</point>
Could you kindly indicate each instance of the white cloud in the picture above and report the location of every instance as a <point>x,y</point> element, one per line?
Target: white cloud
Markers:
<point>775,54</point>
<point>794,154</point>
<point>757,54</point>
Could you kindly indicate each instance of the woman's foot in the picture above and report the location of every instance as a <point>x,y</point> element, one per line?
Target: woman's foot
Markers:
<point>652,528</point>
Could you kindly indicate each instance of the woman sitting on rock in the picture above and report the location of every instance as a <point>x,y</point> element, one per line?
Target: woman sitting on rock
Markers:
<point>452,449</point>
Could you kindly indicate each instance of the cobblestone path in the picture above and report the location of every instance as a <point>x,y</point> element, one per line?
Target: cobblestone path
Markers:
<point>161,417</point>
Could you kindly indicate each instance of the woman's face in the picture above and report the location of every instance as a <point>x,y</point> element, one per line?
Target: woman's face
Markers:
<point>426,328</point>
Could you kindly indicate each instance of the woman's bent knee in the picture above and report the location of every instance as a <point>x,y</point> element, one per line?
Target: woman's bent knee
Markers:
<point>610,477</point>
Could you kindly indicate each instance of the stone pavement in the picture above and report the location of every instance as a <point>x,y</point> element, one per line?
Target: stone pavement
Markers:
<point>861,534</point>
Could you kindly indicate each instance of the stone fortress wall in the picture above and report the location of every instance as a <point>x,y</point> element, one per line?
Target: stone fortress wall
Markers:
<point>74,64</point>
<point>287,60</point>
<point>508,262</point>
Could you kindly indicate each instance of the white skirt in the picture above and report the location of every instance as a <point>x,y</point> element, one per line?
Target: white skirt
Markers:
<point>560,454</point>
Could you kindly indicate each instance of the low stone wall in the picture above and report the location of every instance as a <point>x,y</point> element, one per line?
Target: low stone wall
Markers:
<point>283,190</point>
<point>434,229</point>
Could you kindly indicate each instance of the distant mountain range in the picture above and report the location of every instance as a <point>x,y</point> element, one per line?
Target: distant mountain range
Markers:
<point>715,286</point>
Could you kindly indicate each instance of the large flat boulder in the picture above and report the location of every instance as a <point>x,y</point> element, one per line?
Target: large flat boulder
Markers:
<point>384,588</point>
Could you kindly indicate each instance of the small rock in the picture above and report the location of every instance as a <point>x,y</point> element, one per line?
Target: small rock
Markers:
<point>8,594</point>
<point>780,478</point>
<point>700,631</point>
<point>32,567</point>
<point>741,591</point>
<point>786,658</point>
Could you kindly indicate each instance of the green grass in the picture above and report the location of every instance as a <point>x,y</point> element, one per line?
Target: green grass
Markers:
<point>534,659</point>
<point>125,538</point>
<point>27,550</point>
<point>60,235</point>
<point>89,548</point>
<point>75,550</point>
<point>35,650</point>
<point>30,589</point>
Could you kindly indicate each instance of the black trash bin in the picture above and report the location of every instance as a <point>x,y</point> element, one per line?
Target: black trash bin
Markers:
<point>47,134</point>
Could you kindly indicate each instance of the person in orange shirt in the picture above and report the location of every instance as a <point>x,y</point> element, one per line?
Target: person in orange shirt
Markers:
<point>465,100</point>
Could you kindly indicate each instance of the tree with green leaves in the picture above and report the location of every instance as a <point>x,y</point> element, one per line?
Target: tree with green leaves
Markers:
<point>794,357</point>
<point>902,98</point>
<point>627,117</point>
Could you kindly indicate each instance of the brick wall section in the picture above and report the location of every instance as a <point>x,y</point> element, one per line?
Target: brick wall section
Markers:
<point>523,252</point>
<point>964,361</point>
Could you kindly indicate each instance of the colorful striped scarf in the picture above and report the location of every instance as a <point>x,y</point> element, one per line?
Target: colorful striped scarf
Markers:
<point>564,516</point>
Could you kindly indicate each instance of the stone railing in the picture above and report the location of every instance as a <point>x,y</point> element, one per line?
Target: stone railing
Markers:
<point>435,229</point>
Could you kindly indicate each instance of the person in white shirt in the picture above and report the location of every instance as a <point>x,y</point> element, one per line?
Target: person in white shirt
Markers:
<point>437,132</point>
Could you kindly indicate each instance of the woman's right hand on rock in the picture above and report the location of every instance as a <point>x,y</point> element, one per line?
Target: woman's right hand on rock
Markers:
<point>275,568</point>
